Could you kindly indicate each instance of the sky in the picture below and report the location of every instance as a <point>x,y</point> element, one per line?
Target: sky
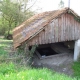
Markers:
<point>49,5</point>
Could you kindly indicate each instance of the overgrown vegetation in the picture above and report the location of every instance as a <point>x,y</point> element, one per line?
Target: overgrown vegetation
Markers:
<point>23,49</point>
<point>19,56</point>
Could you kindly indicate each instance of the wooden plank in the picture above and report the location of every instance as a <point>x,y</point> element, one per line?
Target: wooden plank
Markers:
<point>29,43</point>
<point>42,37</point>
<point>32,42</point>
<point>56,30</point>
<point>79,30</point>
<point>76,30</point>
<point>50,34</point>
<point>59,30</point>
<point>47,34</point>
<point>70,29</point>
<point>39,39</point>
<point>68,36</point>
<point>66,26</point>
<point>52,31</point>
<point>73,29</point>
<point>62,26</point>
<point>36,40</point>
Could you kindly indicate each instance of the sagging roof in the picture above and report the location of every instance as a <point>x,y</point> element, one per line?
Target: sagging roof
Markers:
<point>31,27</point>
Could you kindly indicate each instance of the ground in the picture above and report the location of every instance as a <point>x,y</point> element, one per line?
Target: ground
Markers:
<point>61,63</point>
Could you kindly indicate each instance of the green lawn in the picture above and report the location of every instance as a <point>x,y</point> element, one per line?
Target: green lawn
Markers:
<point>12,72</point>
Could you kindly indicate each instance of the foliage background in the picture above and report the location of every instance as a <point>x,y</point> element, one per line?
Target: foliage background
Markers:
<point>13,13</point>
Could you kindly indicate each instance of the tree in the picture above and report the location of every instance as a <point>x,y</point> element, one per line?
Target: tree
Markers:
<point>61,4</point>
<point>14,13</point>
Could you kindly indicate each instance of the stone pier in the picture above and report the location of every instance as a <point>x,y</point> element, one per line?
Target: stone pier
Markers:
<point>77,50</point>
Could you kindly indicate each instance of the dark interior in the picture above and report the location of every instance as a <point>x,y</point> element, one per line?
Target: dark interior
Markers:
<point>46,51</point>
<point>54,49</point>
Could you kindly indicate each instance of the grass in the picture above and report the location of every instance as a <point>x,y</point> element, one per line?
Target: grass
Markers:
<point>12,72</point>
<point>76,68</point>
<point>2,51</point>
<point>3,45</point>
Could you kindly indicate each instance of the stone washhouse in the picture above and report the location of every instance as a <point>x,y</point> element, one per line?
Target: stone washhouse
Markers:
<point>50,30</point>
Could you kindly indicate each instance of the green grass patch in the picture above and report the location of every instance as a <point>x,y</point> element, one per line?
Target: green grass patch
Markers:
<point>3,45</point>
<point>12,72</point>
<point>76,68</point>
<point>2,49</point>
<point>3,52</point>
<point>6,68</point>
<point>5,42</point>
